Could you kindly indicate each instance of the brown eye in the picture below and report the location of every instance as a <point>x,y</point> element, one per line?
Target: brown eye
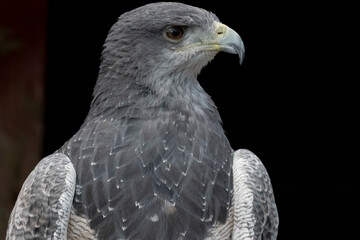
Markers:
<point>174,33</point>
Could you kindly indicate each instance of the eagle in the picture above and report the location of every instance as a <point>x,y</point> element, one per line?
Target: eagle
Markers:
<point>151,160</point>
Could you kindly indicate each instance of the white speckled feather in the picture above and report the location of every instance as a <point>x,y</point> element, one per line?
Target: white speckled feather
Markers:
<point>43,206</point>
<point>151,160</point>
<point>243,221</point>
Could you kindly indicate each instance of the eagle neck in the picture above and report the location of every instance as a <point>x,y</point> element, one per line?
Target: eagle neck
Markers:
<point>116,90</point>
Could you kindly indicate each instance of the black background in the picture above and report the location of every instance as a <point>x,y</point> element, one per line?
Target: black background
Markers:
<point>292,102</point>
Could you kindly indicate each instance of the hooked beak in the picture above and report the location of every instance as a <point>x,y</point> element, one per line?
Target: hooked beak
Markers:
<point>221,38</point>
<point>229,41</point>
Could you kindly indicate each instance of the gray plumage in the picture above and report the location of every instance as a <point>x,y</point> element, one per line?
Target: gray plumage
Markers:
<point>43,206</point>
<point>151,159</point>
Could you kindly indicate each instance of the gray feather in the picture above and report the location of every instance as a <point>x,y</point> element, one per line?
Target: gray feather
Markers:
<point>152,160</point>
<point>44,202</point>
<point>152,147</point>
<point>253,214</point>
<point>257,195</point>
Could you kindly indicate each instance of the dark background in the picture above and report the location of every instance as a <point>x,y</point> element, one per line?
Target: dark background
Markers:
<point>292,102</point>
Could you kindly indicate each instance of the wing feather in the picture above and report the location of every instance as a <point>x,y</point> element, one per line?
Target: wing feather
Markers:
<point>253,214</point>
<point>44,203</point>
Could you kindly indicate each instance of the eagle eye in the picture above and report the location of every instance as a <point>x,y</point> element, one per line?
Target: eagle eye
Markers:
<point>174,33</point>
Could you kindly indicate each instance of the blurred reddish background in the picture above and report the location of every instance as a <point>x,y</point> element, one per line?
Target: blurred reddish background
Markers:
<point>22,71</point>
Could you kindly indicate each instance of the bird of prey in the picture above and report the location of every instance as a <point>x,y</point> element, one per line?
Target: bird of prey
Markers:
<point>151,160</point>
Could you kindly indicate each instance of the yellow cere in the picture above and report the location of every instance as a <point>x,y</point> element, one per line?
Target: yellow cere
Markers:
<point>220,30</point>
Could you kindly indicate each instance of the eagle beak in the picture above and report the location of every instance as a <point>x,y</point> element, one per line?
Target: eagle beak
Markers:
<point>229,41</point>
<point>222,38</point>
